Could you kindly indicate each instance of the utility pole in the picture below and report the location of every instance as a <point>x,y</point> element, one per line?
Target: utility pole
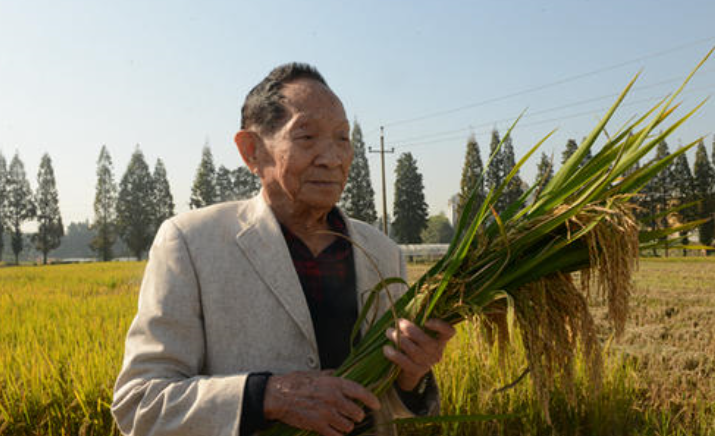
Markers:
<point>384,190</point>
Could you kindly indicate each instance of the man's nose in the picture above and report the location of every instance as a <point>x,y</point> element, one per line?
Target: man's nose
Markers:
<point>331,154</point>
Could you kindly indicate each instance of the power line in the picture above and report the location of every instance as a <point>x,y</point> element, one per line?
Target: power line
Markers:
<point>550,120</point>
<point>551,84</point>
<point>543,111</point>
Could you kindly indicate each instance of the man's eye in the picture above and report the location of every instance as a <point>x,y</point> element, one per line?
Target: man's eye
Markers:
<point>305,137</point>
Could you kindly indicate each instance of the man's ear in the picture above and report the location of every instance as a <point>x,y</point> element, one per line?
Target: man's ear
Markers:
<point>248,144</point>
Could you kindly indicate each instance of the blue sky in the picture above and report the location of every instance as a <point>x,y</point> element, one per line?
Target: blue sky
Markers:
<point>169,75</point>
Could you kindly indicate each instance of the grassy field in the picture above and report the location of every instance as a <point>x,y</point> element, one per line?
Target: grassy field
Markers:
<point>62,330</point>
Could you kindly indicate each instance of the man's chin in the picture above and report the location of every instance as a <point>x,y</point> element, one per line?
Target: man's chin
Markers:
<point>321,200</point>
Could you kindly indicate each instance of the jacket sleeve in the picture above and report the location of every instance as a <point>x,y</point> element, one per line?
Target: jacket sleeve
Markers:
<point>160,389</point>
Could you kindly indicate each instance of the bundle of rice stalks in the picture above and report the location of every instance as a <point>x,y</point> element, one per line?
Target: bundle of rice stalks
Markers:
<point>581,220</point>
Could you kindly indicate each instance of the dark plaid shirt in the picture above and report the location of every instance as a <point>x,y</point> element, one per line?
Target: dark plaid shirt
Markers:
<point>328,282</point>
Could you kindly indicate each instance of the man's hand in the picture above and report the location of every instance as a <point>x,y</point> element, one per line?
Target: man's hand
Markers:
<point>418,351</point>
<point>317,401</point>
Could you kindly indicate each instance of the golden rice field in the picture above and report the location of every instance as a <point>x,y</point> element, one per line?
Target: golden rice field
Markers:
<point>62,330</point>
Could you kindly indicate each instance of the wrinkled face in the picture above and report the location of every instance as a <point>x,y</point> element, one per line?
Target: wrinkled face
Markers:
<point>305,163</point>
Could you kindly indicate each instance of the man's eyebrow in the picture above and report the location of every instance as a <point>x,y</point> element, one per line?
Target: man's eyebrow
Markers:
<point>300,122</point>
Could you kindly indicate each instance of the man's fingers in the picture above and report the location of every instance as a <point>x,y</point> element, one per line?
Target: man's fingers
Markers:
<point>443,329</point>
<point>340,423</point>
<point>429,349</point>
<point>404,362</point>
<point>358,392</point>
<point>412,350</point>
<point>348,408</point>
<point>324,429</point>
<point>415,333</point>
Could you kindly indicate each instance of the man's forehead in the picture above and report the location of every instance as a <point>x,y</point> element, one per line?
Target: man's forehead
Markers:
<point>304,118</point>
<point>307,92</point>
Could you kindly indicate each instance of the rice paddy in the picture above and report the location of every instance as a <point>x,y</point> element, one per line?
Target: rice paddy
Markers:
<point>62,331</point>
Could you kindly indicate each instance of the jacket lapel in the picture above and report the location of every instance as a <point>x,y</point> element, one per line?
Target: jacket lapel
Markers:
<point>366,275</point>
<point>263,244</point>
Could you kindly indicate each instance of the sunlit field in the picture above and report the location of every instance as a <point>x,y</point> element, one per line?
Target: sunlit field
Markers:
<point>62,331</point>
<point>659,378</point>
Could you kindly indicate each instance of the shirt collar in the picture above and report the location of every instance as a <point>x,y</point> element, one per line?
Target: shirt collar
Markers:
<point>339,247</point>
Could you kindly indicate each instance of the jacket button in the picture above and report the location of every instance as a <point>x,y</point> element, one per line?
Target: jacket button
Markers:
<point>312,362</point>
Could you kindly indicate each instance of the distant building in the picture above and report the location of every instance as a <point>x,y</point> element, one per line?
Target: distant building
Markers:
<point>423,252</point>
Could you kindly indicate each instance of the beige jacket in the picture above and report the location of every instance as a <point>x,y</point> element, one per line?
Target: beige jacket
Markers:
<point>220,298</point>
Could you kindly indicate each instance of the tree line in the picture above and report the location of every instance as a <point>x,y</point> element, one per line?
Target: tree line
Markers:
<point>19,204</point>
<point>127,213</point>
<point>132,210</point>
<point>135,209</point>
<point>677,185</point>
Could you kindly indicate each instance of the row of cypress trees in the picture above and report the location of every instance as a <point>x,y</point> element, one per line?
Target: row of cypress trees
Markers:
<point>132,210</point>
<point>19,204</point>
<point>674,186</point>
<point>213,185</point>
<point>679,185</point>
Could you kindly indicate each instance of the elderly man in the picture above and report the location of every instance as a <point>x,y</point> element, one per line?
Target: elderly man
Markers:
<point>246,306</point>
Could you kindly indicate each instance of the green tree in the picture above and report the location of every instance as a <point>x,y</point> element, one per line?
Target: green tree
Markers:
<point>472,177</point>
<point>50,229</point>
<point>245,183</point>
<point>203,191</point>
<point>495,173</point>
<point>410,208</point>
<point>224,185</point>
<point>438,230</point>
<point>358,199</point>
<point>571,147</point>
<point>655,196</point>
<point>502,163</point>
<point>3,202</point>
<point>162,198</point>
<point>683,190</point>
<point>135,206</point>
<point>20,206</point>
<point>704,181</point>
<point>544,171</point>
<point>105,207</point>
<point>514,190</point>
